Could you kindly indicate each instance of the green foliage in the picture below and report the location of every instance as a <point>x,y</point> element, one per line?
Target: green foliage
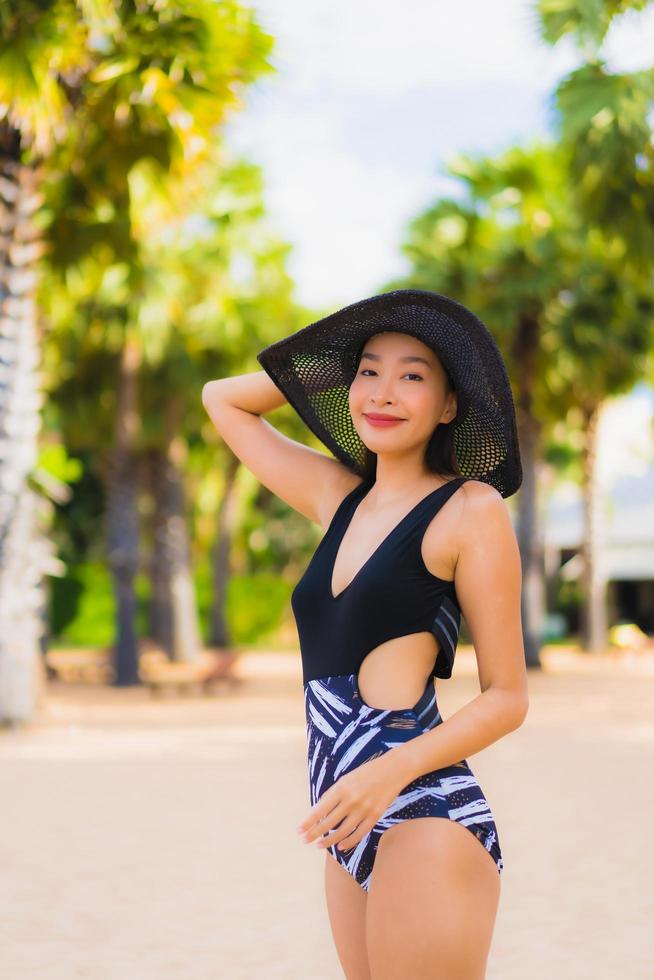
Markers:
<point>256,605</point>
<point>604,120</point>
<point>81,606</point>
<point>54,460</point>
<point>587,20</point>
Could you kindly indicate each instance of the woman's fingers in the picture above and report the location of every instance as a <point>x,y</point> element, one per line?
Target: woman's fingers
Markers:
<point>344,829</point>
<point>326,823</point>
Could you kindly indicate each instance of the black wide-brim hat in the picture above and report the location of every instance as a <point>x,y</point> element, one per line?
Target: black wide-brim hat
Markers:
<point>315,366</point>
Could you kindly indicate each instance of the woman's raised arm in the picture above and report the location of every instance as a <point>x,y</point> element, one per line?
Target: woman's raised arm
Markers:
<point>307,480</point>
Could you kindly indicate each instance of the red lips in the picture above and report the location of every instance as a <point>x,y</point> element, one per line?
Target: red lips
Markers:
<point>380,421</point>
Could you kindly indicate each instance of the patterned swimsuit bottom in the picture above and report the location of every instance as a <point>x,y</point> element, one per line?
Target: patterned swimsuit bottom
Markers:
<point>343,732</point>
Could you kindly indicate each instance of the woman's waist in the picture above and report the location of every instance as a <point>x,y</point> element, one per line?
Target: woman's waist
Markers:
<point>335,701</point>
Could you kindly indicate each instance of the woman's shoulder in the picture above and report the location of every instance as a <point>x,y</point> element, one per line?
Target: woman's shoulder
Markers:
<point>480,491</point>
<point>463,517</point>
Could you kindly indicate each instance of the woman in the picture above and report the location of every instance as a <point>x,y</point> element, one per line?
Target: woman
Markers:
<point>409,391</point>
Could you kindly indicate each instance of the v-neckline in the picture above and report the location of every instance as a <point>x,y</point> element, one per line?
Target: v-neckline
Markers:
<point>402,520</point>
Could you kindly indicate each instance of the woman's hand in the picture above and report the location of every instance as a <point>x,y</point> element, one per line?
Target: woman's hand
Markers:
<point>355,802</point>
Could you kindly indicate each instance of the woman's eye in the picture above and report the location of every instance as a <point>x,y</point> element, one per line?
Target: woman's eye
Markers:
<point>410,374</point>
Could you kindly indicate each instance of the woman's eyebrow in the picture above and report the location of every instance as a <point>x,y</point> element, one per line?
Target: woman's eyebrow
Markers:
<point>407,359</point>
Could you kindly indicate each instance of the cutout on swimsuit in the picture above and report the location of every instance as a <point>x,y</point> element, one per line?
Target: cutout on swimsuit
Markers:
<point>416,662</point>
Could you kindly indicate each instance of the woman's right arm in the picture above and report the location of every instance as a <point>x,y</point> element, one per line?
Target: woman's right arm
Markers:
<point>307,480</point>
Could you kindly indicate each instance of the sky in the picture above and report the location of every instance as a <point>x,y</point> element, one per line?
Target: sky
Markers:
<point>370,100</point>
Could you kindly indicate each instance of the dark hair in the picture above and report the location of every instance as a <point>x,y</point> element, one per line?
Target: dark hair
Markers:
<point>440,454</point>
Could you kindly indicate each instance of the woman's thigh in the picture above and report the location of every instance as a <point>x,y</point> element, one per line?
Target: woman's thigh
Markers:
<point>346,905</point>
<point>432,903</point>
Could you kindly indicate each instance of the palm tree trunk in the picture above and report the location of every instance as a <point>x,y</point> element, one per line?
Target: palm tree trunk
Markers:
<point>594,616</point>
<point>219,630</point>
<point>527,532</point>
<point>186,640</point>
<point>160,610</point>
<point>531,548</point>
<point>24,548</point>
<point>174,613</point>
<point>122,516</point>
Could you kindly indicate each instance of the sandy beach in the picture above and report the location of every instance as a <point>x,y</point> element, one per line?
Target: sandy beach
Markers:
<point>147,839</point>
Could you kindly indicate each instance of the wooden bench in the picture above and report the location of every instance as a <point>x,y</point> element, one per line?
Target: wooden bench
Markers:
<point>86,665</point>
<point>203,676</point>
<point>91,665</point>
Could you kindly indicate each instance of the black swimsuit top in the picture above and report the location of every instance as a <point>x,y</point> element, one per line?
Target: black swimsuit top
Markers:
<point>392,594</point>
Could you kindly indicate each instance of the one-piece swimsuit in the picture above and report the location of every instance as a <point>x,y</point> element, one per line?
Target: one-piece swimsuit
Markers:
<point>393,594</point>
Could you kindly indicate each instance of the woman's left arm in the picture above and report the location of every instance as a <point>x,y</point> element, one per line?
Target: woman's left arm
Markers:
<point>488,581</point>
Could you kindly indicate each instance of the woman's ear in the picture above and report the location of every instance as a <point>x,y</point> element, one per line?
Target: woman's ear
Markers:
<point>450,410</point>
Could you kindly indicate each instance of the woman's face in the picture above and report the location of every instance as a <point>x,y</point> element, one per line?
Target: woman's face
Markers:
<point>398,375</point>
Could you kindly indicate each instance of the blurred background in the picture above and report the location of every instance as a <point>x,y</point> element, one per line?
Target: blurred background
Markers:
<point>182,182</point>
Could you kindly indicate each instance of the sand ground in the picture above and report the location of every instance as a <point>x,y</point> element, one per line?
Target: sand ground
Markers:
<point>155,840</point>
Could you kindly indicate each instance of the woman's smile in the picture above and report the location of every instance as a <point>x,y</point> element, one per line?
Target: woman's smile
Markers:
<point>380,420</point>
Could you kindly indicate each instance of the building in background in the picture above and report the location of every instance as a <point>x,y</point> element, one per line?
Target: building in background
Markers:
<point>626,478</point>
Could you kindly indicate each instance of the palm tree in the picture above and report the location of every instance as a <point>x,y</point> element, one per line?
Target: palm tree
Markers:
<point>515,251</point>
<point>604,121</point>
<point>88,91</point>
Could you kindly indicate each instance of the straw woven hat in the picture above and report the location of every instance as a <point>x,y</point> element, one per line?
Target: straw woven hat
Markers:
<point>315,366</point>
